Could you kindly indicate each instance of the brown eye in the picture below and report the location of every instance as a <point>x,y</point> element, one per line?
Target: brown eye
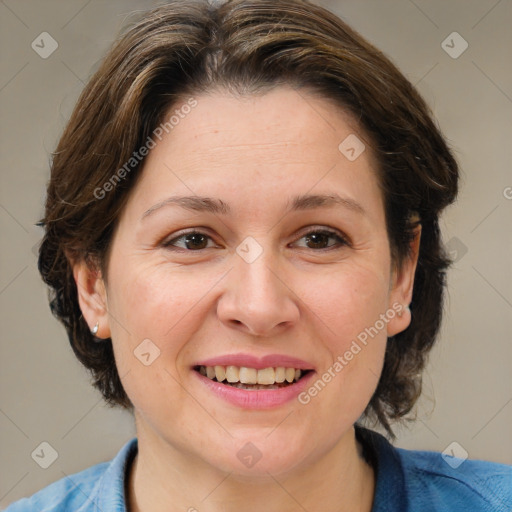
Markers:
<point>193,241</point>
<point>319,239</point>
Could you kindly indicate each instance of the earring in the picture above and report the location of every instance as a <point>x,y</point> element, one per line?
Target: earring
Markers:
<point>404,308</point>
<point>94,330</point>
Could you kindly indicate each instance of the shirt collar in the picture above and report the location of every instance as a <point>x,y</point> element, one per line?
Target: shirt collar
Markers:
<point>108,494</point>
<point>390,491</point>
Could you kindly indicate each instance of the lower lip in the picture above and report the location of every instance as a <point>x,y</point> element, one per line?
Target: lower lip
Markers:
<point>256,399</point>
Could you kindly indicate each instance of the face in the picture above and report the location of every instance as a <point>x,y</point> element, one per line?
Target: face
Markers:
<point>256,276</point>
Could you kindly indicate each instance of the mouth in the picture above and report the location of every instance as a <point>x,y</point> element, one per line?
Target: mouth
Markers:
<point>246,378</point>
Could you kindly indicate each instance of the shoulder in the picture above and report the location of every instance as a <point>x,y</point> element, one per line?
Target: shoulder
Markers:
<point>68,493</point>
<point>441,482</point>
<point>83,491</point>
<point>426,481</point>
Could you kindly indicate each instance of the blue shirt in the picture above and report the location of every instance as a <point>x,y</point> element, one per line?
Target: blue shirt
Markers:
<point>406,481</point>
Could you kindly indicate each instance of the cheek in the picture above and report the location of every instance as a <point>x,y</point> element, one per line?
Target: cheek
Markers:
<point>346,318</point>
<point>154,299</point>
<point>151,311</point>
<point>155,311</point>
<point>166,304</point>
<point>347,302</point>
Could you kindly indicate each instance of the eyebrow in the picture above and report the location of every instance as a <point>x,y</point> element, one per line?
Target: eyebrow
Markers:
<point>297,203</point>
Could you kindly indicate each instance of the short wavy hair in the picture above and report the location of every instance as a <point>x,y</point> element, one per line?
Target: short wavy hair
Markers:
<point>248,47</point>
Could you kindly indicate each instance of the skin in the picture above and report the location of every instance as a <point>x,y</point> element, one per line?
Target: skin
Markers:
<point>253,153</point>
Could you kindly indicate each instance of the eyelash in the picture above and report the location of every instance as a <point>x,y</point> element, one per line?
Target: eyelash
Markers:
<point>342,240</point>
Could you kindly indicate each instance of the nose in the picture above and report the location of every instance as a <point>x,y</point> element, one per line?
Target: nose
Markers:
<point>257,299</point>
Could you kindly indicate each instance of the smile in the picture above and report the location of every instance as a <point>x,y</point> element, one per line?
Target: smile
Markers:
<point>243,377</point>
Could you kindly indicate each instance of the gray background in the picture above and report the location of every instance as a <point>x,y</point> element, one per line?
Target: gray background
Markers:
<point>45,394</point>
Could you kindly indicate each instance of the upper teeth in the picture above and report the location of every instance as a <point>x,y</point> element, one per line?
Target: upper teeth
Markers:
<point>250,375</point>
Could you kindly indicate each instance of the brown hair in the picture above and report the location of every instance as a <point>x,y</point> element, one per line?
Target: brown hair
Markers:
<point>247,46</point>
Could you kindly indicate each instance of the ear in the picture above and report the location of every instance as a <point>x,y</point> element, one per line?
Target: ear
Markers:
<point>402,283</point>
<point>92,296</point>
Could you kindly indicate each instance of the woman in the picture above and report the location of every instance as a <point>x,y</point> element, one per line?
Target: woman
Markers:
<point>242,242</point>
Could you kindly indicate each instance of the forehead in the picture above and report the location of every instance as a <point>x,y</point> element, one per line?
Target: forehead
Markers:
<point>283,140</point>
<point>283,116</point>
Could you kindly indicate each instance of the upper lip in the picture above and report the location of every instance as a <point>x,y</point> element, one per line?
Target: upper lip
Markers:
<point>259,363</point>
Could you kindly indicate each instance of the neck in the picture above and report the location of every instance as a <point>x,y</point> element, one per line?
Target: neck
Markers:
<point>164,479</point>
